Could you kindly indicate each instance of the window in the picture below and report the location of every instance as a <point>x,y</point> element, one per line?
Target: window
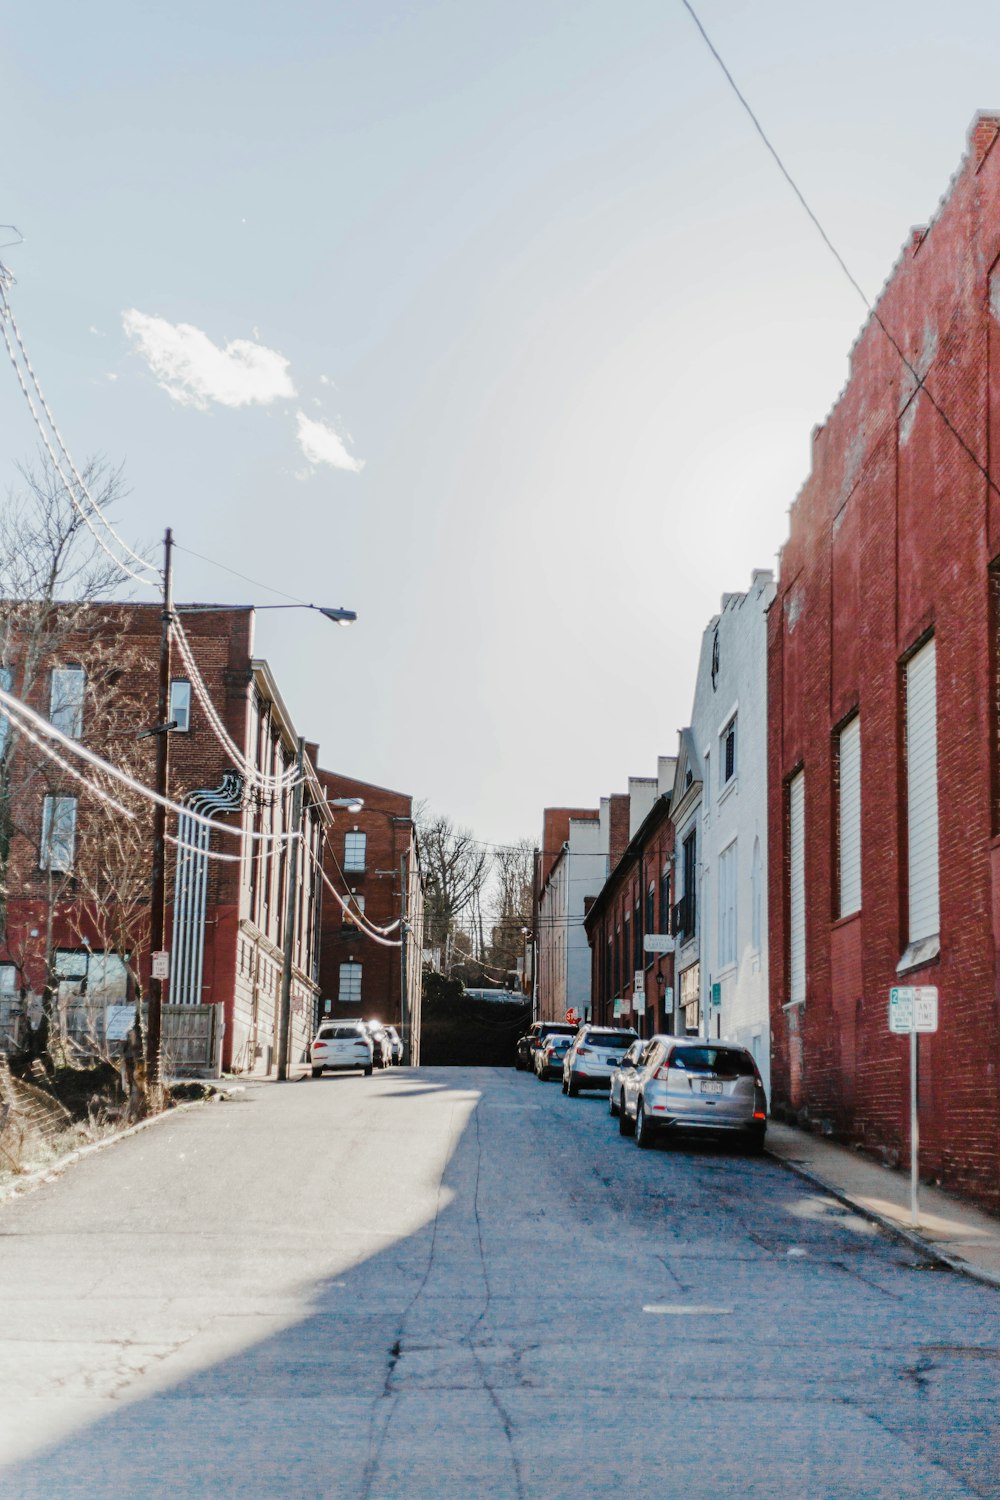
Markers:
<point>688,923</point>
<point>5,682</point>
<point>665,899</point>
<point>356,903</point>
<point>921,794</point>
<point>651,907</point>
<point>797,889</point>
<point>180,704</point>
<point>727,906</point>
<point>756,897</point>
<point>849,819</point>
<point>354,850</point>
<point>350,984</point>
<point>58,843</point>
<point>637,937</point>
<point>66,700</point>
<point>727,757</point>
<point>8,979</point>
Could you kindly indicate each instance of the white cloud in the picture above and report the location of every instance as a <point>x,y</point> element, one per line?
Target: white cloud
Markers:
<point>194,371</point>
<point>321,445</point>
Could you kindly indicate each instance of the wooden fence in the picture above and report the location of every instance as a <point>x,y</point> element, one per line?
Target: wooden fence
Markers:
<point>190,1033</point>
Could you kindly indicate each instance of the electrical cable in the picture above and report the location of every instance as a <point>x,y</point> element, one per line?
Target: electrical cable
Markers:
<point>920,380</point>
<point>255,581</point>
<point>5,316</point>
<point>13,707</point>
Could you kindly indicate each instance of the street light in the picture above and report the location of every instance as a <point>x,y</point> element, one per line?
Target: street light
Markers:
<point>349,804</point>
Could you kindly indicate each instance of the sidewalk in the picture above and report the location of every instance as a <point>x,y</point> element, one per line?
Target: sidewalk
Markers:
<point>964,1237</point>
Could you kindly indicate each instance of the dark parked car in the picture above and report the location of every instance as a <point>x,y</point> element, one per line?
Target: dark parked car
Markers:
<point>528,1044</point>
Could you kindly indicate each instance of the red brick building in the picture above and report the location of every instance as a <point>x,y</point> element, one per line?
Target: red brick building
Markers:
<point>884,714</point>
<point>635,901</point>
<point>372,860</point>
<point>226,897</point>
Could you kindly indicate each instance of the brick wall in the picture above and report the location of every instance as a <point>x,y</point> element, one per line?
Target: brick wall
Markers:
<point>891,538</point>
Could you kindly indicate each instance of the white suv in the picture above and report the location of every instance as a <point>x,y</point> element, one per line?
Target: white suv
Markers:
<point>593,1057</point>
<point>342,1045</point>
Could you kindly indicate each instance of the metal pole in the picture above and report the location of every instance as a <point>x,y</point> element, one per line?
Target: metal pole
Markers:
<point>403,996</point>
<point>157,896</point>
<point>914,1130</point>
<point>288,936</point>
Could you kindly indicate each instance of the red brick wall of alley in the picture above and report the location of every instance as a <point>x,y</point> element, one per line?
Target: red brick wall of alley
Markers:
<point>896,537</point>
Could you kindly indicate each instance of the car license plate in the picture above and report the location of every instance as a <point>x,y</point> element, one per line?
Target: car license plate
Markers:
<point>711,1086</point>
<point>612,1062</point>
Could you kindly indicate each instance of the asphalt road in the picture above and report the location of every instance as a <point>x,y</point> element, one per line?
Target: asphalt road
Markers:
<point>459,1283</point>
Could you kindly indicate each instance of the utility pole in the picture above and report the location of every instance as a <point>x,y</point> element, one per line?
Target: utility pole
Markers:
<point>403,930</point>
<point>157,896</point>
<point>288,935</point>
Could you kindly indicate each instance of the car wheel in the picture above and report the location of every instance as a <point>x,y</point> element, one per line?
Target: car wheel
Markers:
<point>564,1088</point>
<point>612,1106</point>
<point>753,1143</point>
<point>573,1087</point>
<point>368,1071</point>
<point>626,1125</point>
<point>317,1072</point>
<point>643,1132</point>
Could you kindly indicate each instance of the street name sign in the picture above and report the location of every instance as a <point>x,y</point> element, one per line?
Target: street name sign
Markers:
<point>658,942</point>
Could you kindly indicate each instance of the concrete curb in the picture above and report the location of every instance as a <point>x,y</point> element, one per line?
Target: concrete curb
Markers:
<point>23,1185</point>
<point>908,1236</point>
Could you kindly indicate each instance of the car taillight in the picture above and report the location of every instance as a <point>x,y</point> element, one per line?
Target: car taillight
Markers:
<point>584,1051</point>
<point>318,1046</point>
<point>759,1114</point>
<point>662,1073</point>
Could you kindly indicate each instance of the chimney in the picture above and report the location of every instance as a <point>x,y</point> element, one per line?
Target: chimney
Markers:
<point>619,808</point>
<point>985,129</point>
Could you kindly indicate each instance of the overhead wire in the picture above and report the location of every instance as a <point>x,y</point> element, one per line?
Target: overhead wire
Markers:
<point>920,380</point>
<point>7,316</point>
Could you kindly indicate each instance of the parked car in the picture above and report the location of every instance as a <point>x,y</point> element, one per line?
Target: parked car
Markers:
<point>381,1045</point>
<point>689,1084</point>
<point>593,1057</point>
<point>549,1055</point>
<point>527,1044</point>
<point>397,1044</point>
<point>343,1044</point>
<point>624,1070</point>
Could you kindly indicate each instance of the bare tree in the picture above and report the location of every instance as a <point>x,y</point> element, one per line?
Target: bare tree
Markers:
<point>513,877</point>
<point>456,868</point>
<point>52,573</point>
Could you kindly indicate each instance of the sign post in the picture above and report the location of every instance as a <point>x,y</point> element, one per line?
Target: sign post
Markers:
<point>912,1009</point>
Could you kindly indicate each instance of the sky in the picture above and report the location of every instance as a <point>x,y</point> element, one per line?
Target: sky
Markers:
<point>494,322</point>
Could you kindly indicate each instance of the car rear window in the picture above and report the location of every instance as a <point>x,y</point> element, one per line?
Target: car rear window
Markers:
<point>728,1061</point>
<point>559,1028</point>
<point>340,1033</point>
<point>615,1040</point>
<point>559,1042</point>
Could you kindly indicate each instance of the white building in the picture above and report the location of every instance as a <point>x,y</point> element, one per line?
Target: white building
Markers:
<point>572,870</point>
<point>720,820</point>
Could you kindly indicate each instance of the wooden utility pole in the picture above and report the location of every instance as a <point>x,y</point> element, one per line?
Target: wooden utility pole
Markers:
<point>157,897</point>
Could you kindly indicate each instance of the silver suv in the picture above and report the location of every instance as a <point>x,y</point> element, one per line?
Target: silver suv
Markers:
<point>689,1084</point>
<point>593,1057</point>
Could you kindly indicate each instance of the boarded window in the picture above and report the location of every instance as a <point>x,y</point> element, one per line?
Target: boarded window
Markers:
<point>849,818</point>
<point>727,906</point>
<point>797,889</point>
<point>922,794</point>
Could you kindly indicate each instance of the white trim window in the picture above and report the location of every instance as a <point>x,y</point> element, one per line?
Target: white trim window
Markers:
<point>180,705</point>
<point>727,906</point>
<point>922,795</point>
<point>355,850</point>
<point>349,992</point>
<point>8,979</point>
<point>66,700</point>
<point>797,889</point>
<point>849,819</point>
<point>58,843</point>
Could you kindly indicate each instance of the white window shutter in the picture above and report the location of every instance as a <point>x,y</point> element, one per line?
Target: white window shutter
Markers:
<point>922,794</point>
<point>797,888</point>
<point>850,818</point>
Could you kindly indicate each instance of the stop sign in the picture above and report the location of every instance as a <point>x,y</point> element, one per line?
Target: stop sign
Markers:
<point>571,1015</point>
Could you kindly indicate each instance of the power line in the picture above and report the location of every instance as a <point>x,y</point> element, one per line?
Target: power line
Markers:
<point>255,581</point>
<point>872,310</point>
